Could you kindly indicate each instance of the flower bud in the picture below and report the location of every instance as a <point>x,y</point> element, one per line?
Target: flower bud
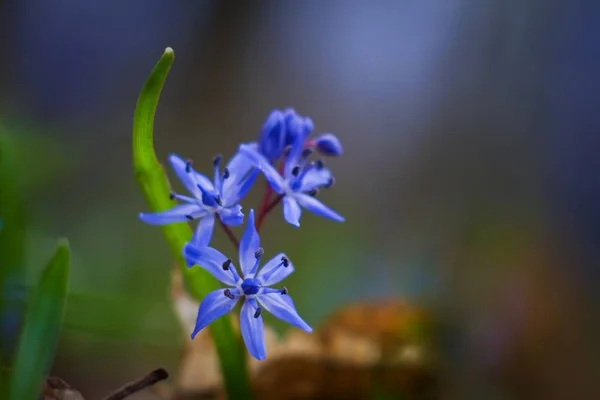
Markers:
<point>328,144</point>
<point>296,125</point>
<point>272,137</point>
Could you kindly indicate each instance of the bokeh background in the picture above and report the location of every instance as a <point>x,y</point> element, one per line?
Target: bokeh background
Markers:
<point>469,179</point>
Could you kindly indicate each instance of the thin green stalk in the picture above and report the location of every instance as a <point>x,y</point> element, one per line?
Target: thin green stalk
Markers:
<point>155,186</point>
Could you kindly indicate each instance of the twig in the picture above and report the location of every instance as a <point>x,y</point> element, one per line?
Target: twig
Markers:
<point>230,235</point>
<point>139,384</point>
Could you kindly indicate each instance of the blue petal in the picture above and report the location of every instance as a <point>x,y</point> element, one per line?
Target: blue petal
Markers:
<point>214,305</point>
<point>241,177</point>
<point>253,331</point>
<point>211,260</point>
<point>274,272</point>
<point>315,178</point>
<point>291,211</point>
<point>204,231</point>
<point>315,206</point>
<point>178,213</point>
<point>272,138</point>
<point>179,166</point>
<point>246,184</point>
<point>260,162</point>
<point>192,179</point>
<point>248,245</point>
<point>329,144</point>
<point>296,125</point>
<point>232,216</point>
<point>293,157</point>
<point>282,306</point>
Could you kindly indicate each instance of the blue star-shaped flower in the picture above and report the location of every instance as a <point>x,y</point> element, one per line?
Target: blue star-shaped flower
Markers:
<point>253,286</point>
<point>218,198</point>
<point>299,183</point>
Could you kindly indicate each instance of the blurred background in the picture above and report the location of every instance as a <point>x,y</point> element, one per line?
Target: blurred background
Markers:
<point>469,181</point>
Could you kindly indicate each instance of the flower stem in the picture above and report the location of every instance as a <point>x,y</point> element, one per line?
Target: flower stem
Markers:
<point>232,238</point>
<point>273,204</point>
<point>155,187</point>
<point>265,203</point>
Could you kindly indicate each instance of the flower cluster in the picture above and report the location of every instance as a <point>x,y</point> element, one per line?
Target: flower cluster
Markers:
<point>282,154</point>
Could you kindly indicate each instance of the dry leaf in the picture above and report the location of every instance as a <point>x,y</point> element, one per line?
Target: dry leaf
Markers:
<point>57,389</point>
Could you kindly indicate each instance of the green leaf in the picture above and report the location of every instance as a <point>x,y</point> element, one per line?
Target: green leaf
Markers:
<point>155,186</point>
<point>12,242</point>
<point>43,320</point>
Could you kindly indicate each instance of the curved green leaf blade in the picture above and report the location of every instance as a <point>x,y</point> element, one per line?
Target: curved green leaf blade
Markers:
<point>155,186</point>
<point>12,243</point>
<point>43,319</point>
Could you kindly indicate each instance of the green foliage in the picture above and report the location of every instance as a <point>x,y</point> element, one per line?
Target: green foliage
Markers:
<point>155,186</point>
<point>43,320</point>
<point>12,238</point>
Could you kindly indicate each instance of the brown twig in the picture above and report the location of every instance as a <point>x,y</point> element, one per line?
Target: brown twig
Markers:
<point>139,384</point>
<point>230,235</point>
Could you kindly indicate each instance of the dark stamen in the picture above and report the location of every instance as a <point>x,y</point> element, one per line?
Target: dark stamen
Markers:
<point>217,159</point>
<point>218,200</point>
<point>188,166</point>
<point>313,192</point>
<point>307,152</point>
<point>225,173</point>
<point>172,196</point>
<point>284,291</point>
<point>319,164</point>
<point>226,264</point>
<point>285,261</point>
<point>227,293</point>
<point>257,312</point>
<point>189,217</point>
<point>296,170</point>
<point>259,252</point>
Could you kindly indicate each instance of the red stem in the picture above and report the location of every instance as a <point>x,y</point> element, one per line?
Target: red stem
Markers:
<point>230,235</point>
<point>272,204</point>
<point>265,207</point>
<point>265,203</point>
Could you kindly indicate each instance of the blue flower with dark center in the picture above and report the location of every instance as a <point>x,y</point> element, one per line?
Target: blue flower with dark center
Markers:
<point>209,199</point>
<point>299,182</point>
<point>252,285</point>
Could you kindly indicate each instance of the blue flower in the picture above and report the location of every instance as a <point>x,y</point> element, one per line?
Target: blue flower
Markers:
<point>209,199</point>
<point>283,128</point>
<point>252,285</point>
<point>299,183</point>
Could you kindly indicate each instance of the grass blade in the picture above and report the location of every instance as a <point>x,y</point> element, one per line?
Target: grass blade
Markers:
<point>43,319</point>
<point>155,186</point>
